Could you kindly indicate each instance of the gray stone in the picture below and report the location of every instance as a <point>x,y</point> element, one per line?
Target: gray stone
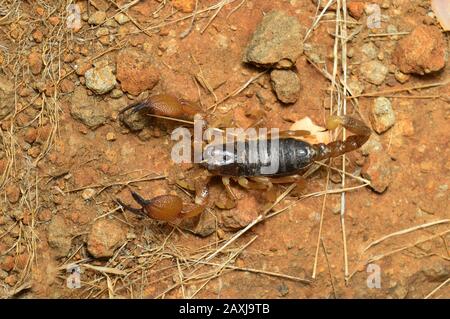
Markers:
<point>382,115</point>
<point>6,97</point>
<point>374,72</point>
<point>369,50</point>
<point>100,79</point>
<point>121,18</point>
<point>105,237</point>
<point>98,17</point>
<point>286,85</point>
<point>86,109</point>
<point>276,42</point>
<point>59,236</point>
<point>203,225</point>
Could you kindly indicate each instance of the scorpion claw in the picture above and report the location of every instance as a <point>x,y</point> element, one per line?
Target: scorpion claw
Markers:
<point>141,201</point>
<point>138,211</point>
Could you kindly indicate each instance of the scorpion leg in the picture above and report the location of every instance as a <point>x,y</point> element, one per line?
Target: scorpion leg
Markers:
<point>362,133</point>
<point>226,183</point>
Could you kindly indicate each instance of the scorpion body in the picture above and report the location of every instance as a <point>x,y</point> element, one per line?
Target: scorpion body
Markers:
<point>244,159</point>
<point>248,159</point>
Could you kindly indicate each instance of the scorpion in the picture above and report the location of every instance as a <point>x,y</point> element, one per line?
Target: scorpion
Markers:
<point>293,155</point>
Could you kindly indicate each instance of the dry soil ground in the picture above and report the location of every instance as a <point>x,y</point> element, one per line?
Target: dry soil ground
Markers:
<point>65,153</point>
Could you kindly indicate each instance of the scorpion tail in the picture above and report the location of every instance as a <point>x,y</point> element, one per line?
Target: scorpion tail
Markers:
<point>362,133</point>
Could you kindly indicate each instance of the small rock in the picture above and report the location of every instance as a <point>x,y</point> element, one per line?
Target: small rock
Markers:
<point>17,214</point>
<point>11,280</point>
<point>67,86</point>
<point>203,225</point>
<point>356,9</point>
<point>81,66</point>
<point>97,18</point>
<point>121,18</point>
<point>283,290</point>
<point>424,50</point>
<point>45,215</point>
<point>100,79</point>
<point>59,236</point>
<point>12,193</point>
<point>105,237</point>
<point>116,93</point>
<point>372,145</point>
<point>3,274</point>
<point>85,109</point>
<point>54,20</point>
<point>100,4</point>
<point>185,6</point>
<point>7,263</point>
<point>30,135</point>
<point>6,97</point>
<point>286,85</point>
<point>276,42</point>
<point>356,87</point>
<point>136,72</point>
<point>135,121</point>
<point>369,50</point>
<point>378,170</point>
<point>110,136</point>
<point>374,72</point>
<point>38,36</point>
<point>401,77</point>
<point>382,115</point>
<point>102,32</point>
<point>88,193</point>
<point>35,62</point>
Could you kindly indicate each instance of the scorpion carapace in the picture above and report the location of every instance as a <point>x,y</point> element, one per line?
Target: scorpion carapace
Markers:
<point>236,161</point>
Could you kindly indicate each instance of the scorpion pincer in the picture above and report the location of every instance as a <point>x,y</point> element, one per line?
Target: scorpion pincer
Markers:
<point>236,160</point>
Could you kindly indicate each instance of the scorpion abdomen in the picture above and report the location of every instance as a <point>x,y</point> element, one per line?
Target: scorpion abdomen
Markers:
<point>263,157</point>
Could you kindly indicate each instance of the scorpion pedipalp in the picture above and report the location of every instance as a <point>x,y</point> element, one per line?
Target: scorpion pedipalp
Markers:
<point>166,105</point>
<point>163,207</point>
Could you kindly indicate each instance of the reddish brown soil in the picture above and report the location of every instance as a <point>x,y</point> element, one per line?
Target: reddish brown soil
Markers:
<point>417,145</point>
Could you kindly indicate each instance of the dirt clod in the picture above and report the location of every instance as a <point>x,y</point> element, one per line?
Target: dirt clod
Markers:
<point>59,236</point>
<point>276,42</point>
<point>100,79</point>
<point>97,17</point>
<point>85,109</point>
<point>286,85</point>
<point>136,71</point>
<point>382,115</point>
<point>374,72</point>
<point>185,6</point>
<point>35,62</point>
<point>13,193</point>
<point>6,97</point>
<point>105,237</point>
<point>378,170</point>
<point>424,50</point>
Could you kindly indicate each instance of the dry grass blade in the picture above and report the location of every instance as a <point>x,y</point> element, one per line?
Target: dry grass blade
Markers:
<point>238,90</point>
<point>402,89</point>
<point>107,185</point>
<point>405,231</point>
<point>253,223</point>
<point>107,270</point>
<point>260,271</point>
<point>437,288</point>
<point>381,256</point>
